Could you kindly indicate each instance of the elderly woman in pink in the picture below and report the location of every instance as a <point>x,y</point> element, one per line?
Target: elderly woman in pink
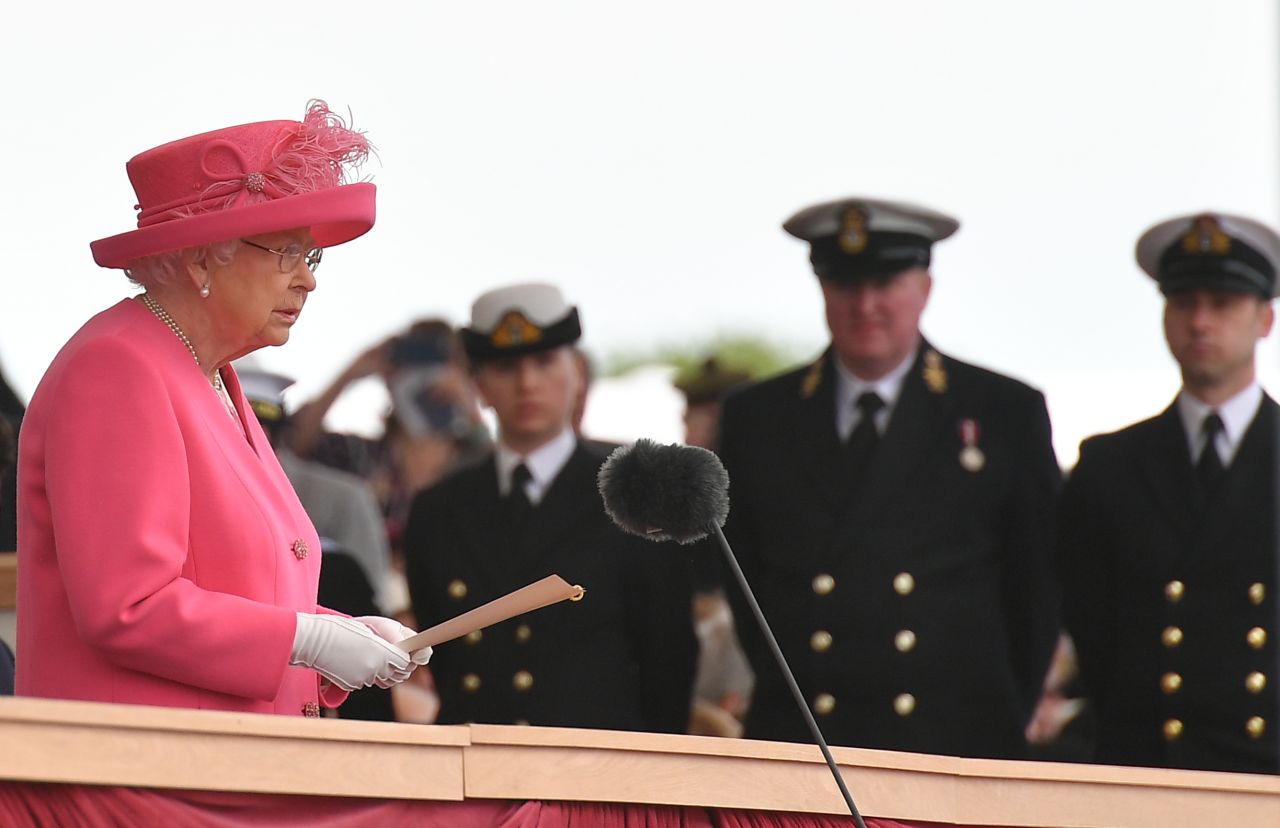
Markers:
<point>163,556</point>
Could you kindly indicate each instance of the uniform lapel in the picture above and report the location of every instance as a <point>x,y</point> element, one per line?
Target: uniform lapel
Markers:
<point>918,422</point>
<point>1167,467</point>
<point>483,526</point>
<point>818,445</point>
<point>1243,495</point>
<point>561,509</point>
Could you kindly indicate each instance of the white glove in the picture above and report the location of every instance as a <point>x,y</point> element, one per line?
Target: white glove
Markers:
<point>347,652</point>
<point>392,630</point>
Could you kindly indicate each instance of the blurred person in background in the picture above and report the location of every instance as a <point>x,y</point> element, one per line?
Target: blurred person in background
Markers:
<point>11,411</point>
<point>165,559</point>
<point>433,422</point>
<point>722,687</point>
<point>1167,534</point>
<point>339,503</point>
<point>621,658</point>
<point>704,389</point>
<point>347,520</point>
<point>892,509</point>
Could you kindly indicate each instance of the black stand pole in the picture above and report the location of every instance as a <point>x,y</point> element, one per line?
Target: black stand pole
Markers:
<point>786,673</point>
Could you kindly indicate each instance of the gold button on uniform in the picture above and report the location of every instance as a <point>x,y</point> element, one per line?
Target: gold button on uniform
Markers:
<point>523,633</point>
<point>824,703</point>
<point>904,704</point>
<point>1172,729</point>
<point>1174,590</point>
<point>471,682</point>
<point>823,584</point>
<point>1172,636</point>
<point>1257,593</point>
<point>904,583</point>
<point>904,641</point>
<point>299,548</point>
<point>522,680</point>
<point>1256,726</point>
<point>1255,682</point>
<point>1257,638</point>
<point>1170,683</point>
<point>457,590</point>
<point>820,641</point>
<point>473,638</point>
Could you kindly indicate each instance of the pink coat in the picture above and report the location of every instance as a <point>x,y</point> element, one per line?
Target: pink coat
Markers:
<point>161,556</point>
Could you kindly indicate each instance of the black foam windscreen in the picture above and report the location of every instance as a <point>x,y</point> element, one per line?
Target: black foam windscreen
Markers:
<point>665,492</point>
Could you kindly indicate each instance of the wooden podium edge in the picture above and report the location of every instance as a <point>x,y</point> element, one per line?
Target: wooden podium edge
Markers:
<point>584,765</point>
<point>105,744</point>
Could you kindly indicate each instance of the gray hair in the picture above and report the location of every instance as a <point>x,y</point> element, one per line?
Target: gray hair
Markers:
<point>170,266</point>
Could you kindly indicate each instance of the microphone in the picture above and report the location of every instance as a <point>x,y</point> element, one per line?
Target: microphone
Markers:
<point>681,493</point>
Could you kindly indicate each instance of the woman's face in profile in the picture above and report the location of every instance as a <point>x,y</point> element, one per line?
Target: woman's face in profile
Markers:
<point>252,302</point>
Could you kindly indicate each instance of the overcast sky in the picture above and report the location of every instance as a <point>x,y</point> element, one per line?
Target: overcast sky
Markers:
<point>643,157</point>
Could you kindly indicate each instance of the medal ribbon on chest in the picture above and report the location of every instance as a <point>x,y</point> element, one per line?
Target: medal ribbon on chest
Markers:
<point>972,457</point>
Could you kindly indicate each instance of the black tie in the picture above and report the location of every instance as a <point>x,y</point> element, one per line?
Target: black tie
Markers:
<point>518,505</point>
<point>862,442</point>
<point>1209,468</point>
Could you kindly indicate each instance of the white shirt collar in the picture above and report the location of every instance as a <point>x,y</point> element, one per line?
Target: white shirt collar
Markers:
<point>850,387</point>
<point>544,463</point>
<point>1236,413</point>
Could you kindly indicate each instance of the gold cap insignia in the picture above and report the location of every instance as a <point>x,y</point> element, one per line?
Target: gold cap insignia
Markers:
<point>812,379</point>
<point>935,376</point>
<point>853,231</point>
<point>515,330</point>
<point>1206,236</point>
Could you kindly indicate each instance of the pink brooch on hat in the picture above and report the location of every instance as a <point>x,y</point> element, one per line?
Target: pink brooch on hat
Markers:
<point>247,180</point>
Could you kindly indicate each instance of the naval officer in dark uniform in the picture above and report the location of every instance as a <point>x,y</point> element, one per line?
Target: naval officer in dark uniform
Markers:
<point>623,657</point>
<point>1168,527</point>
<point>891,507</point>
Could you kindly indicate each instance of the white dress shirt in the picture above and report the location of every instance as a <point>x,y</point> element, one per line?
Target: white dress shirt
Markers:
<point>543,463</point>
<point>1236,413</point>
<point>849,388</point>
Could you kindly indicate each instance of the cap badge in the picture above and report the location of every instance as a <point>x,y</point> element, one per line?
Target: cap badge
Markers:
<point>853,231</point>
<point>812,379</point>
<point>1206,236</point>
<point>972,458</point>
<point>935,376</point>
<point>515,330</point>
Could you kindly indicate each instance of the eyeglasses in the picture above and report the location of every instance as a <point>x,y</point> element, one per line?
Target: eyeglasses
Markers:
<point>290,254</point>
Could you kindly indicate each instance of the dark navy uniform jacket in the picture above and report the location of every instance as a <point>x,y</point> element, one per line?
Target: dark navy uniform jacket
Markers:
<point>918,612</point>
<point>1172,598</point>
<point>622,658</point>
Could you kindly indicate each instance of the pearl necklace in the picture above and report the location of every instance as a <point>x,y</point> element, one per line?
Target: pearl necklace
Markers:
<point>163,315</point>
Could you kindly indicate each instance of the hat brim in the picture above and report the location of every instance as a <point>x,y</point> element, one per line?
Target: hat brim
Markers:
<point>335,215</point>
<point>479,346</point>
<point>1216,280</point>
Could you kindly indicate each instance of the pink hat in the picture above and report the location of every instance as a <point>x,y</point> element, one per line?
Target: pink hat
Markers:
<point>245,181</point>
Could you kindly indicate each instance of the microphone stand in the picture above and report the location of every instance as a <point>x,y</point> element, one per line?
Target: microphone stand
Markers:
<point>786,672</point>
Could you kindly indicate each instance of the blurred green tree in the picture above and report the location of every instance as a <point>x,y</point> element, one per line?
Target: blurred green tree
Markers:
<point>756,355</point>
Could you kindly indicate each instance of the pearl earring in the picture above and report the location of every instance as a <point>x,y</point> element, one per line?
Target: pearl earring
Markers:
<point>204,291</point>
